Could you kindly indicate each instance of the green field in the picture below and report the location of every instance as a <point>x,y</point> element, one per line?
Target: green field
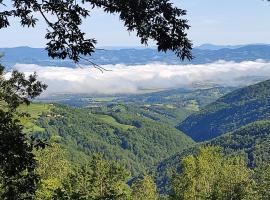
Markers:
<point>111,121</point>
<point>103,99</point>
<point>34,110</point>
<point>192,105</point>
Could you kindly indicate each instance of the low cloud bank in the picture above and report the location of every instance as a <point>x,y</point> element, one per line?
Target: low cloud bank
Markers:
<point>134,79</point>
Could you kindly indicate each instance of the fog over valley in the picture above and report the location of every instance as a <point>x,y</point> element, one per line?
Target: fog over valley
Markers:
<point>134,100</point>
<point>124,79</point>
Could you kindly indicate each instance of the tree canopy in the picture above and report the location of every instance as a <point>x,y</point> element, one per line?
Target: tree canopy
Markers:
<point>18,179</point>
<point>210,175</point>
<point>158,20</point>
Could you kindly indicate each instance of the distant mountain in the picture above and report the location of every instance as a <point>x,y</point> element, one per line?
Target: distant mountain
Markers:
<point>251,141</point>
<point>217,47</point>
<point>202,55</point>
<point>29,55</point>
<point>230,112</point>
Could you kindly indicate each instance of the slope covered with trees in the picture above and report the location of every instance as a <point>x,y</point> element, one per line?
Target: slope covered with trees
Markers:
<point>251,142</point>
<point>138,143</point>
<point>230,112</point>
<point>168,106</point>
<point>212,175</point>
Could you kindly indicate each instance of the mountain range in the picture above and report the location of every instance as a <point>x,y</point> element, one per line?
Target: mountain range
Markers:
<point>203,54</point>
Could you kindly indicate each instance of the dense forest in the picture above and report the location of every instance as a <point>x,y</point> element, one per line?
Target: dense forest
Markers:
<point>204,142</point>
<point>228,113</point>
<point>250,142</point>
<point>138,143</point>
<point>129,147</point>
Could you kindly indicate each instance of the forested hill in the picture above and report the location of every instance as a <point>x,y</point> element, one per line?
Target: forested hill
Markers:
<point>136,142</point>
<point>253,140</point>
<point>133,56</point>
<point>230,112</point>
<point>250,141</point>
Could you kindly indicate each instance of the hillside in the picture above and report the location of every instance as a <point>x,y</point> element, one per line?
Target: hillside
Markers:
<point>136,142</point>
<point>136,130</point>
<point>251,141</point>
<point>230,112</point>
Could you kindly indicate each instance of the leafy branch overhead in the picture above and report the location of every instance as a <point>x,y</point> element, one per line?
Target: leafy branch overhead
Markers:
<point>157,20</point>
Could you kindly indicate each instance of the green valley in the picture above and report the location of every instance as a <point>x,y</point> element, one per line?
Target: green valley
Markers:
<point>88,113</point>
<point>136,142</point>
<point>138,134</point>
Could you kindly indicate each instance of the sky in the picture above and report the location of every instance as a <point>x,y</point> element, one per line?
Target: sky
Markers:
<point>229,22</point>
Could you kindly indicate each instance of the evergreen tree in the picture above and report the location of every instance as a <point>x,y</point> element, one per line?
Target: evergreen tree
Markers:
<point>17,163</point>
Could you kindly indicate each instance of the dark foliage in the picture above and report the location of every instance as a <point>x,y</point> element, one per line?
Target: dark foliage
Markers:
<point>151,19</point>
<point>17,163</point>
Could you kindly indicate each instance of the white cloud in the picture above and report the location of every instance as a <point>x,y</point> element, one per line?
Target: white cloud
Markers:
<point>132,79</point>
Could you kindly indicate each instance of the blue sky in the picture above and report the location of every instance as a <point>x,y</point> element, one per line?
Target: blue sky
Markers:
<point>212,21</point>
